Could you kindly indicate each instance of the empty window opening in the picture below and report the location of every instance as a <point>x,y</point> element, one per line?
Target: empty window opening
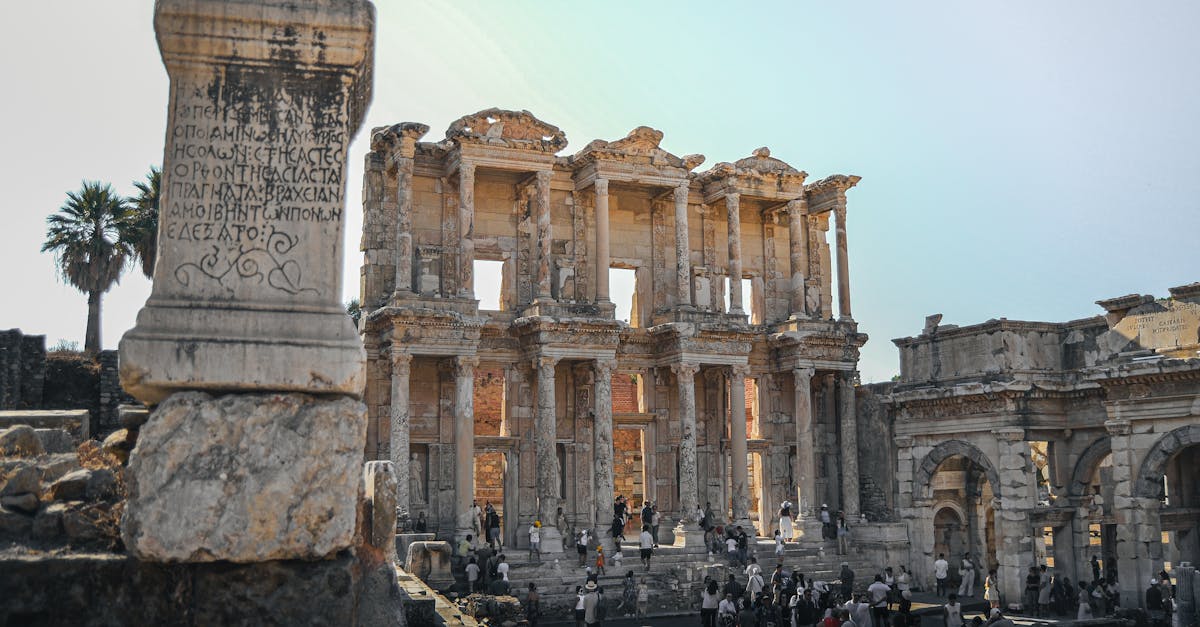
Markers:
<point>747,297</point>
<point>622,291</point>
<point>489,279</point>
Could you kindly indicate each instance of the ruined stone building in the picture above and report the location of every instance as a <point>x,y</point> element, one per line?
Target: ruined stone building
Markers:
<point>1037,442</point>
<point>517,402</point>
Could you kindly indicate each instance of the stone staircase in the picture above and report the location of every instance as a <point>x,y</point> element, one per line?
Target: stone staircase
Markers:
<point>675,576</point>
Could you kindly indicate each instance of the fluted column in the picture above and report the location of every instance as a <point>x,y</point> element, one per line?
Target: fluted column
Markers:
<point>849,426</point>
<point>683,265</point>
<point>399,447</point>
<point>545,435</point>
<point>603,435</point>
<point>843,263</point>
<point>466,228</point>
<point>404,159</point>
<point>685,382</point>
<point>798,234</point>
<point>737,446</point>
<point>544,234</point>
<point>733,205</point>
<point>602,258</point>
<point>464,442</point>
<point>806,470</point>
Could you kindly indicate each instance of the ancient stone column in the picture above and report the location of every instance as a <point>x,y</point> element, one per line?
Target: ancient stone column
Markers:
<point>733,205</point>
<point>737,446</point>
<point>683,265</point>
<point>602,256</point>
<point>1016,497</point>
<point>685,382</point>
<point>603,435</point>
<point>466,228</point>
<point>254,450</point>
<point>409,133</point>
<point>464,443</point>
<point>545,435</point>
<point>806,462</point>
<point>401,368</point>
<point>843,263</point>
<point>849,446</point>
<point>544,234</point>
<point>798,233</point>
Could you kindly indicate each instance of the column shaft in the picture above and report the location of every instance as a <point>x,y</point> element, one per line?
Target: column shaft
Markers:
<point>685,380</point>
<point>399,446</point>
<point>544,234</point>
<point>602,258</point>
<point>798,234</point>
<point>806,462</point>
<point>603,434</point>
<point>849,426</point>
<point>737,446</point>
<point>545,430</point>
<point>466,228</point>
<point>733,206</point>
<point>464,442</point>
<point>404,192</point>
<point>843,263</point>
<point>683,265</point>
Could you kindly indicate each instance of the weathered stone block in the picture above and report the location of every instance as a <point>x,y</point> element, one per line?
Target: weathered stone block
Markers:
<point>245,477</point>
<point>27,502</point>
<point>19,478</point>
<point>379,483</point>
<point>20,441</point>
<point>48,523</point>
<point>56,440</point>
<point>71,487</point>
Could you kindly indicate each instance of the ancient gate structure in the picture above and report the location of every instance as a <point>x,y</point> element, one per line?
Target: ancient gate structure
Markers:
<point>496,189</point>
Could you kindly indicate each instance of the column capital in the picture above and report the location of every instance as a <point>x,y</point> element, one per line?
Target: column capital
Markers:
<point>466,170</point>
<point>601,186</point>
<point>839,210</point>
<point>1117,427</point>
<point>544,363</point>
<point>797,208</point>
<point>803,375</point>
<point>604,367</point>
<point>543,177</point>
<point>682,369</point>
<point>682,190</point>
<point>464,365</point>
<point>400,358</point>
<point>732,199</point>
<point>1011,434</point>
<point>904,441</point>
<point>741,371</point>
<point>847,376</point>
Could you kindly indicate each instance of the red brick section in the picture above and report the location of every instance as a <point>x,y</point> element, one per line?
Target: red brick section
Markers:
<point>624,392</point>
<point>489,401</point>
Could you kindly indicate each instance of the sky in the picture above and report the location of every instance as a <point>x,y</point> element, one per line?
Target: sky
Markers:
<point>1018,159</point>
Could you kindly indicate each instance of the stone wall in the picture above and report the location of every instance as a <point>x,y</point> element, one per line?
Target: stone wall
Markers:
<point>22,369</point>
<point>876,463</point>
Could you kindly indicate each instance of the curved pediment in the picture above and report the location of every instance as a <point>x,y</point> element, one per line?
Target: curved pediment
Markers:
<point>640,145</point>
<point>511,129</point>
<point>759,165</point>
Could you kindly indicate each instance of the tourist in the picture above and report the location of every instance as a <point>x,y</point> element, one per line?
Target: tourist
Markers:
<point>643,599</point>
<point>1066,593</point>
<point>502,568</point>
<point>1095,561</point>
<point>579,611</point>
<point>1043,599</point>
<point>846,575</point>
<point>858,608</point>
<point>491,568</point>
<point>991,589</point>
<point>731,549</point>
<point>889,580</point>
<point>591,604</point>
<point>1032,583</point>
<point>754,614</point>
<point>778,544</point>
<point>826,522</point>
<point>727,610</point>
<point>732,587</point>
<point>476,518</point>
<point>465,548</point>
<point>599,560</point>
<point>998,619</point>
<point>617,528</point>
<point>421,525</point>
<point>499,587</point>
<point>941,570</point>
<point>785,520</point>
<point>1085,603</point>
<point>645,545</point>
<point>472,576</point>
<point>754,582</point>
<point>533,605</point>
<point>535,540</point>
<point>878,593</point>
<point>581,545</point>
<point>647,515</point>
<point>628,593</point>
<point>843,536</point>
<point>620,509</point>
<point>805,612</point>
<point>492,521</point>
<point>1154,602</point>
<point>952,612</point>
<point>654,525</point>
<point>564,528</point>
<point>743,545</point>
<point>752,567</point>
<point>966,572</point>
<point>710,600</point>
<point>617,556</point>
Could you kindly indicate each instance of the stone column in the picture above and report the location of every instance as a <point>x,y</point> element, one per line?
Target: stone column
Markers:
<point>1017,495</point>
<point>737,446</point>
<point>401,369</point>
<point>849,428</point>
<point>254,451</point>
<point>409,133</point>
<point>683,264</point>
<point>689,482</point>
<point>545,436</point>
<point>603,434</point>
<point>798,233</point>
<point>806,470</point>
<point>464,443</point>
<point>733,206</point>
<point>1139,531</point>
<point>466,228</point>
<point>544,235</point>
<point>843,263</point>
<point>602,258</point>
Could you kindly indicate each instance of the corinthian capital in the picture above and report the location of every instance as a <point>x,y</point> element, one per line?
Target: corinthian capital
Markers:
<point>465,366</point>
<point>685,369</point>
<point>401,360</point>
<point>544,366</point>
<point>604,368</point>
<point>739,371</point>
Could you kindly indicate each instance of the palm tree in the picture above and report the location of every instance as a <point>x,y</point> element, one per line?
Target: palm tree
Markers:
<point>142,234</point>
<point>87,237</point>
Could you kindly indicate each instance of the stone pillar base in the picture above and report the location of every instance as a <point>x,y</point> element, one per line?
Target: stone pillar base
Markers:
<point>245,478</point>
<point>552,541</point>
<point>808,530</point>
<point>690,537</point>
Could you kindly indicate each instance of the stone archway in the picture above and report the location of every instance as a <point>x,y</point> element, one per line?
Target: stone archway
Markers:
<point>923,477</point>
<point>1149,478</point>
<point>1081,477</point>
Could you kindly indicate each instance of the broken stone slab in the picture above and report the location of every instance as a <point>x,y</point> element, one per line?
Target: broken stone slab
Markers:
<point>56,440</point>
<point>20,441</point>
<point>245,478</point>
<point>119,443</point>
<point>71,486</point>
<point>81,526</point>
<point>57,465</point>
<point>18,478</point>
<point>27,502</point>
<point>76,421</point>
<point>379,483</point>
<point>430,561</point>
<point>48,524</point>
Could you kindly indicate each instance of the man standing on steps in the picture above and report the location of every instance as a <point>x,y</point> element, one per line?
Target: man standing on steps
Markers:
<point>535,540</point>
<point>591,605</point>
<point>941,569</point>
<point>646,544</point>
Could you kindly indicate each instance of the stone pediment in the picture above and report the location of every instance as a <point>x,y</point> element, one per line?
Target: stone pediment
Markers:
<point>759,165</point>
<point>510,129</point>
<point>640,146</point>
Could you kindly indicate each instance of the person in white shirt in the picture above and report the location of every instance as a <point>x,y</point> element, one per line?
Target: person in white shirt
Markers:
<point>966,570</point>
<point>941,569</point>
<point>581,546</point>
<point>472,576</point>
<point>848,620</point>
<point>727,607</point>
<point>753,567</point>
<point>878,593</point>
<point>535,540</point>
<point>731,549</point>
<point>778,543</point>
<point>952,612</point>
<point>646,544</point>
<point>859,610</point>
<point>502,567</point>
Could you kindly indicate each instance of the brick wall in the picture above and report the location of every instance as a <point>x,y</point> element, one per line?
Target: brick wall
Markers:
<point>489,401</point>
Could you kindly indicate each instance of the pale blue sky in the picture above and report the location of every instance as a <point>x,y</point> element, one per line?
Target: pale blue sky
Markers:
<point>1019,159</point>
